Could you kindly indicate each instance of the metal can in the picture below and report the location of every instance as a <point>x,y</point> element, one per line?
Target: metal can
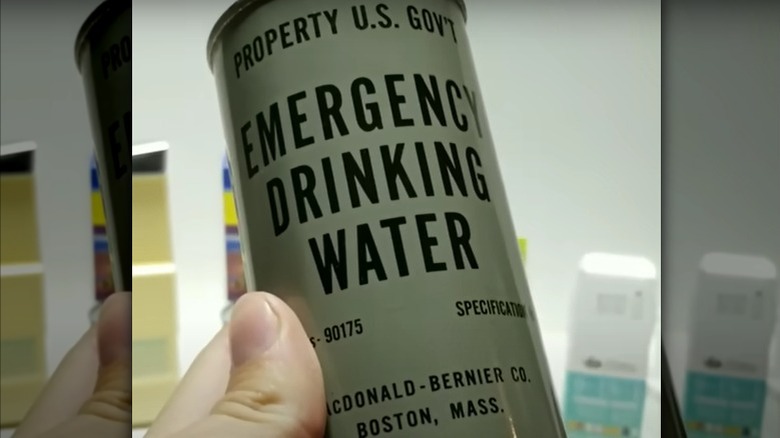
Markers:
<point>236,282</point>
<point>369,198</point>
<point>103,56</point>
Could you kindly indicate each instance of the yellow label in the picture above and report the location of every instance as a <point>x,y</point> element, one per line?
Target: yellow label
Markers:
<point>523,248</point>
<point>98,215</point>
<point>231,219</point>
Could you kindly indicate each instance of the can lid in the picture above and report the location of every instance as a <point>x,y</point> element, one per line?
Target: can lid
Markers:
<point>109,8</point>
<point>242,7</point>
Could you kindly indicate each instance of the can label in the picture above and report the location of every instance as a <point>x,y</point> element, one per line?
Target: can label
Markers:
<point>369,199</point>
<point>104,281</point>
<point>236,284</point>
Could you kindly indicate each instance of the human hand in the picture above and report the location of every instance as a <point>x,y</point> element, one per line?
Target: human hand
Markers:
<point>258,377</point>
<point>89,394</point>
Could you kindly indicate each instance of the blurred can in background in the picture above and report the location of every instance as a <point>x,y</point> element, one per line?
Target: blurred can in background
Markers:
<point>103,56</point>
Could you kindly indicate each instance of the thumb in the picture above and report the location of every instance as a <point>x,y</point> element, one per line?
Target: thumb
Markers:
<point>107,412</point>
<point>275,388</point>
<point>111,398</point>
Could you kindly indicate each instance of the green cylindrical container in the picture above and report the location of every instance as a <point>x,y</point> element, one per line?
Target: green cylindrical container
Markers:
<point>369,198</point>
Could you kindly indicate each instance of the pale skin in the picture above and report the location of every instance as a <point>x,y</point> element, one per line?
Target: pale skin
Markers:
<point>89,394</point>
<point>258,377</point>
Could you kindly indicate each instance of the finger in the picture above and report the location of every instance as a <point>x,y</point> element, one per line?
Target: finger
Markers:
<point>89,426</point>
<point>275,387</point>
<point>67,389</point>
<point>198,391</point>
<point>112,396</point>
<point>107,412</point>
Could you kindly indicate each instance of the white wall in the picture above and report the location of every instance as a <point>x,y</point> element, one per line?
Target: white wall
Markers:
<point>573,98</point>
<point>42,99</point>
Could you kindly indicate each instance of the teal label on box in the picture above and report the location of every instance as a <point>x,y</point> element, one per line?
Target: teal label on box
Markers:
<point>602,406</point>
<point>721,406</point>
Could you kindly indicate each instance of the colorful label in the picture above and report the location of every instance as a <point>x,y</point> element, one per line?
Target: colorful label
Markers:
<point>603,406</point>
<point>104,280</point>
<point>236,283</point>
<point>723,406</point>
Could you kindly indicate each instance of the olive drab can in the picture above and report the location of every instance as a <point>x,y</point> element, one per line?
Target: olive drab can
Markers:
<point>103,56</point>
<point>369,199</point>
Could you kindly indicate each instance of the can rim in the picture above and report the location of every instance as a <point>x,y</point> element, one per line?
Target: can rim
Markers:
<point>107,8</point>
<point>240,6</point>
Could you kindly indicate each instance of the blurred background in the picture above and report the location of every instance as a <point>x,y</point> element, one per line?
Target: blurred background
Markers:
<point>721,194</point>
<point>43,101</point>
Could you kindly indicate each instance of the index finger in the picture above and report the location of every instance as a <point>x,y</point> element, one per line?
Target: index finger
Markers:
<point>68,388</point>
<point>198,391</point>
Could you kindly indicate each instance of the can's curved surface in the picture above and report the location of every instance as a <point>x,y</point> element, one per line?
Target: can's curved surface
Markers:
<point>369,198</point>
<point>103,55</point>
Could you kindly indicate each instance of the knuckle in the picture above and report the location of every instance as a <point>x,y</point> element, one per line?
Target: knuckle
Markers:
<point>112,399</point>
<point>109,405</point>
<point>265,408</point>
